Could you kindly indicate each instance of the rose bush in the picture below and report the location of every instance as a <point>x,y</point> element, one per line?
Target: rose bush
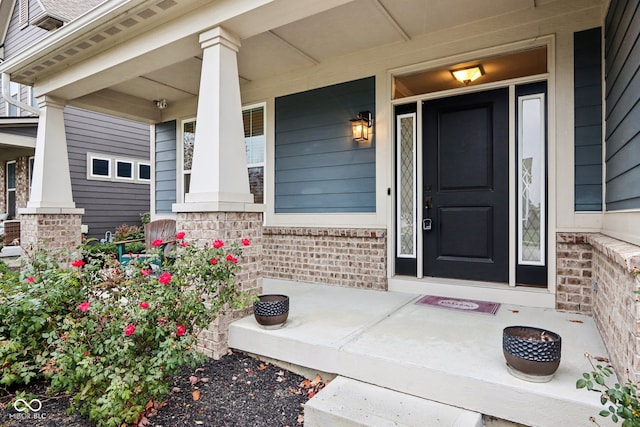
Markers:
<point>117,334</point>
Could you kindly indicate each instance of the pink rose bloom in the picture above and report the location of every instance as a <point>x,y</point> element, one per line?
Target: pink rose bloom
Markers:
<point>78,263</point>
<point>246,242</point>
<point>84,306</point>
<point>145,271</point>
<point>30,279</point>
<point>156,243</point>
<point>180,330</point>
<point>184,244</point>
<point>164,278</point>
<point>213,261</point>
<point>218,243</point>
<point>129,329</point>
<point>180,235</point>
<point>144,305</point>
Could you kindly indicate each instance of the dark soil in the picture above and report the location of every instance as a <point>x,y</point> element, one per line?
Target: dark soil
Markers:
<point>236,390</point>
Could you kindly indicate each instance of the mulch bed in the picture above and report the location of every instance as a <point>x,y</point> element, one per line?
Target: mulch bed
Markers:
<point>236,390</point>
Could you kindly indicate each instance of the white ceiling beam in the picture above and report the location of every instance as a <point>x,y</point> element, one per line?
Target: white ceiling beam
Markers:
<point>391,20</point>
<point>159,83</point>
<point>294,48</point>
<point>119,104</point>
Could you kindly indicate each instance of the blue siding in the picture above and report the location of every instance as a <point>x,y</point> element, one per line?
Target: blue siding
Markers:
<point>18,39</point>
<point>318,166</point>
<point>622,76</point>
<point>588,120</point>
<point>165,166</point>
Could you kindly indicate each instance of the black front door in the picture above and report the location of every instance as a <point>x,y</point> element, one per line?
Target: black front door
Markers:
<point>466,186</point>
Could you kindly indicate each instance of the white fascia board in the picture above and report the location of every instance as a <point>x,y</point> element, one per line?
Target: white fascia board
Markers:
<point>97,16</point>
<point>10,140</point>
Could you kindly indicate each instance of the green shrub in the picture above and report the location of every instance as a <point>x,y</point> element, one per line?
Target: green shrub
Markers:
<point>111,336</point>
<point>128,232</point>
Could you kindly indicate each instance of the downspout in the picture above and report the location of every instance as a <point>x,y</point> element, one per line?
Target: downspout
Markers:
<point>6,95</point>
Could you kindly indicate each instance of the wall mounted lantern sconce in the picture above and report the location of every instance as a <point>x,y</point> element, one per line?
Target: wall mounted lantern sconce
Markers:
<point>360,126</point>
<point>467,75</point>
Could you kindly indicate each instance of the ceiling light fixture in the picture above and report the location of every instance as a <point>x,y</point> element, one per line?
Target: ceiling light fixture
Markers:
<point>469,74</point>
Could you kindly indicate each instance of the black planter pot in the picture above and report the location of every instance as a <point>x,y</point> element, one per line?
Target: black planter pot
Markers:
<point>271,310</point>
<point>532,354</point>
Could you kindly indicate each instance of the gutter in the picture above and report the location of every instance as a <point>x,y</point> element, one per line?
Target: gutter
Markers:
<point>6,95</point>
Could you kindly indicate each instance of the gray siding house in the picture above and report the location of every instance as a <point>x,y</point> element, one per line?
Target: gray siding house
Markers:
<point>108,156</point>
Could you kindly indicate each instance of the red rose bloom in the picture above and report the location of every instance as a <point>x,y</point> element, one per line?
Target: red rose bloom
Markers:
<point>232,259</point>
<point>184,244</point>
<point>84,306</point>
<point>246,242</point>
<point>180,330</point>
<point>145,271</point>
<point>129,329</point>
<point>156,243</point>
<point>180,235</point>
<point>213,261</point>
<point>77,263</point>
<point>164,278</point>
<point>30,279</point>
<point>144,304</point>
<point>218,244</point>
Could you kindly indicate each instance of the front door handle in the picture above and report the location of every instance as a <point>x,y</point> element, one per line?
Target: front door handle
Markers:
<point>428,202</point>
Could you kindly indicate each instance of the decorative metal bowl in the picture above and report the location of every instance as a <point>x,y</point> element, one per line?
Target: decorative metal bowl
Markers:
<point>271,310</point>
<point>532,354</point>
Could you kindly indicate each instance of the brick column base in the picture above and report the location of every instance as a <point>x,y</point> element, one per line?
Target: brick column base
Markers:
<point>229,227</point>
<point>55,231</point>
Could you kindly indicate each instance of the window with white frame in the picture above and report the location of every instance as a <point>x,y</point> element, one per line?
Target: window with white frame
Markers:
<point>188,141</point>
<point>31,162</point>
<point>253,118</point>
<point>124,169</point>
<point>32,97</point>
<point>11,188</point>
<point>144,171</point>
<point>106,167</point>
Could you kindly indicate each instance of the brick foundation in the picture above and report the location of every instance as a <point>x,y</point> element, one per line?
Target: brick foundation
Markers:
<point>229,227</point>
<point>574,277</point>
<point>333,256</point>
<point>56,231</point>
<point>616,308</point>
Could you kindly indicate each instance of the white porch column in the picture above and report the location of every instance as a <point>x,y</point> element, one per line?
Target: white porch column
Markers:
<point>51,216</point>
<point>219,178</point>
<point>51,182</point>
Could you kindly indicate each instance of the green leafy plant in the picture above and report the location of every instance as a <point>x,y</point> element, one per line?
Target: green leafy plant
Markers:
<point>620,401</point>
<point>128,232</point>
<point>117,334</point>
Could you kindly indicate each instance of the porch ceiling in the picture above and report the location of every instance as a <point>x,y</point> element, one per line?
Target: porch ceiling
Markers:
<point>94,68</point>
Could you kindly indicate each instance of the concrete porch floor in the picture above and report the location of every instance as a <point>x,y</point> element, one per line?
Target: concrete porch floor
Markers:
<point>448,356</point>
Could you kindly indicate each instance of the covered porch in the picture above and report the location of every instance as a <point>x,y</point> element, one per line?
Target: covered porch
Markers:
<point>385,339</point>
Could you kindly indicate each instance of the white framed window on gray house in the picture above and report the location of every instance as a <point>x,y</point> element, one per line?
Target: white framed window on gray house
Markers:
<point>31,162</point>
<point>124,169</point>
<point>11,188</point>
<point>144,171</point>
<point>253,118</point>
<point>107,167</point>
<point>188,140</point>
<point>32,97</point>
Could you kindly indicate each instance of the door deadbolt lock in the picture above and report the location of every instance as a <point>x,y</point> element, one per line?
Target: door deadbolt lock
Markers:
<point>426,224</point>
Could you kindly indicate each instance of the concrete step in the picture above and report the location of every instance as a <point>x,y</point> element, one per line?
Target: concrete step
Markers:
<point>349,403</point>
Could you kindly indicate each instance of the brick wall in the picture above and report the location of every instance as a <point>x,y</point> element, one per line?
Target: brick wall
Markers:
<point>56,231</point>
<point>229,227</point>
<point>332,256</point>
<point>574,272</point>
<point>616,309</point>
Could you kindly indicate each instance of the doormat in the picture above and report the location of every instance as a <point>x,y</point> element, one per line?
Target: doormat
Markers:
<point>485,307</point>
